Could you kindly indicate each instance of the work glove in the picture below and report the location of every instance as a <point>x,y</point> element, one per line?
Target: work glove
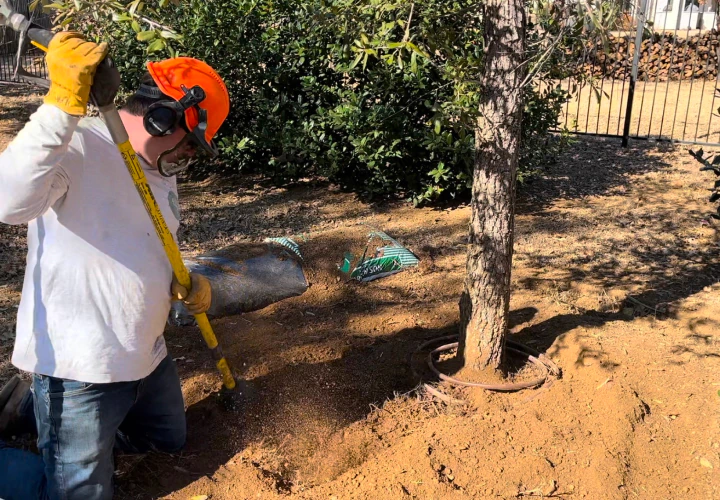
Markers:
<point>197,300</point>
<point>71,63</point>
<point>105,84</point>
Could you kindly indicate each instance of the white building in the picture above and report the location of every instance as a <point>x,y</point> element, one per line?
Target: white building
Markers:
<point>682,14</point>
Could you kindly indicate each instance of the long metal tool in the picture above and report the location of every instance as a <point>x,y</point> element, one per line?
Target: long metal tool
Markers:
<point>41,39</point>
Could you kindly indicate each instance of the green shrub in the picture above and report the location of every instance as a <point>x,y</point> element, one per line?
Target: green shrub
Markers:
<point>323,87</point>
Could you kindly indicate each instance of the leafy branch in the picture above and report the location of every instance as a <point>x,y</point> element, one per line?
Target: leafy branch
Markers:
<point>156,36</point>
<point>710,163</point>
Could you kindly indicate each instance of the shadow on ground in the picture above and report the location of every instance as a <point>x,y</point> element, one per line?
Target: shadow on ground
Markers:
<point>591,167</point>
<point>17,103</point>
<point>648,243</point>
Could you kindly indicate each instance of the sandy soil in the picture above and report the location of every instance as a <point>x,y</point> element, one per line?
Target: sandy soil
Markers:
<point>683,111</point>
<point>615,277</point>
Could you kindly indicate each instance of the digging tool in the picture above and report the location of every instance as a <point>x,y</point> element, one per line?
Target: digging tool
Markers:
<point>40,37</point>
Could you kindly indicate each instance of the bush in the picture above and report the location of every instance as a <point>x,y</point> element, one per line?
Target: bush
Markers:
<point>710,163</point>
<point>322,87</point>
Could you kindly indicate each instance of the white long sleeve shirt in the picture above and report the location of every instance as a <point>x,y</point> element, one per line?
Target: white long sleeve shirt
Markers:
<point>96,293</point>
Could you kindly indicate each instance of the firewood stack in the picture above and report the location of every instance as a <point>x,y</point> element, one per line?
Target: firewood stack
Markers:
<point>661,57</point>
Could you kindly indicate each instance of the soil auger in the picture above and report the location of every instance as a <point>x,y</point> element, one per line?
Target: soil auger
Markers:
<point>40,38</point>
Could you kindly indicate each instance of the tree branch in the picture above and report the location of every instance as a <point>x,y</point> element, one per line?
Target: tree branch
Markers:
<point>543,57</point>
<point>154,24</point>
<point>407,26</point>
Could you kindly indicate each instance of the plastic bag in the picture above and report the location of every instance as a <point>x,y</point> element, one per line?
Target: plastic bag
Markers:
<point>388,259</point>
<point>246,277</point>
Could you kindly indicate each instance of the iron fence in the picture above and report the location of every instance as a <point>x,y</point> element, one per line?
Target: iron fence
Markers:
<point>658,82</point>
<point>33,60</point>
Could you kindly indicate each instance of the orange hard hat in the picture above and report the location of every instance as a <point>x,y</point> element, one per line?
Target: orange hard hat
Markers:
<point>171,75</point>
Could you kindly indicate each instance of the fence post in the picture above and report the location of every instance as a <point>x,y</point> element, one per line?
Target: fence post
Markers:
<point>641,18</point>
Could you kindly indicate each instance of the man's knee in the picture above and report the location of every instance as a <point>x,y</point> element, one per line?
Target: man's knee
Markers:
<point>171,437</point>
<point>174,442</point>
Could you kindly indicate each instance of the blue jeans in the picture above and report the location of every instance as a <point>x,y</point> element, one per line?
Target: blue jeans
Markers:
<point>80,424</point>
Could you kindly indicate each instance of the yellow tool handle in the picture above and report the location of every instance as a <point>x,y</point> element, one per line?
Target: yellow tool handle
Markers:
<point>120,138</point>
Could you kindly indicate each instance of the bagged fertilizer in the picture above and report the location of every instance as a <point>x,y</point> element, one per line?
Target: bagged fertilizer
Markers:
<point>383,256</point>
<point>246,277</point>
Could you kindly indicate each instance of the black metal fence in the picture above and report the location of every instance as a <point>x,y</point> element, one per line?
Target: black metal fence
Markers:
<point>659,80</point>
<point>33,61</point>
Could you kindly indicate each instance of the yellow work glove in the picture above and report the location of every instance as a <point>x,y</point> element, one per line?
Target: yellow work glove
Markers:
<point>71,63</point>
<point>197,300</point>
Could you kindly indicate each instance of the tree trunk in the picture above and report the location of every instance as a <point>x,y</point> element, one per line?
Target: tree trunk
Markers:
<point>484,305</point>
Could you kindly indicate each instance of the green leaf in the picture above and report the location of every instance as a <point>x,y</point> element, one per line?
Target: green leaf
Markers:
<point>417,50</point>
<point>146,36</point>
<point>171,35</point>
<point>118,17</point>
<point>135,26</point>
<point>356,61</point>
<point>34,5</point>
<point>156,46</point>
<point>364,39</point>
<point>395,45</point>
<point>438,126</point>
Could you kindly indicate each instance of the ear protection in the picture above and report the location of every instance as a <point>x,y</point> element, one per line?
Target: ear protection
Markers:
<point>163,118</point>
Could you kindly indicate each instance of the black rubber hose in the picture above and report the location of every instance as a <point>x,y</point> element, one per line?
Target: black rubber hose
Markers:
<point>545,364</point>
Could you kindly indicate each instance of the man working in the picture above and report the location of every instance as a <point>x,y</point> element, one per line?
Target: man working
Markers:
<point>98,286</point>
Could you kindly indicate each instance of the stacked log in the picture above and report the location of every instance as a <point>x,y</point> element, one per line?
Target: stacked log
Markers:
<point>662,57</point>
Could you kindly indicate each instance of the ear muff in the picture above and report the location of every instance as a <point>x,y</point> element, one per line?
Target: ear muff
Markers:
<point>163,117</point>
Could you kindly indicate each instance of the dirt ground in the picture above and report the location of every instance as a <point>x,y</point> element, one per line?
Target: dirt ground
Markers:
<point>615,278</point>
<point>685,111</point>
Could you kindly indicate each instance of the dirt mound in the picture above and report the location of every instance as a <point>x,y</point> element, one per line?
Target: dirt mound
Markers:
<point>524,443</point>
<point>575,437</point>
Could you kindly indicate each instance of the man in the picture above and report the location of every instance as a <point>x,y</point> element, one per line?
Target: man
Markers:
<point>98,286</point>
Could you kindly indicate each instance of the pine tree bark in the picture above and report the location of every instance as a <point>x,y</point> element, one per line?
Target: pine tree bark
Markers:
<point>485,303</point>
